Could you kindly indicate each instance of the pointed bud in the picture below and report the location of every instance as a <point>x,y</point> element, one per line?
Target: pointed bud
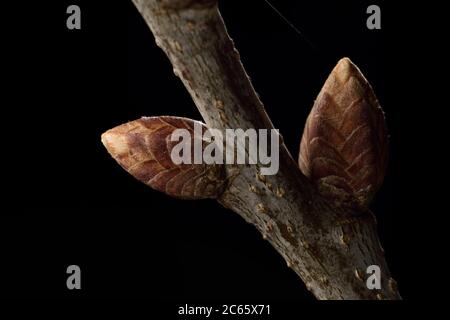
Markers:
<point>344,145</point>
<point>143,148</point>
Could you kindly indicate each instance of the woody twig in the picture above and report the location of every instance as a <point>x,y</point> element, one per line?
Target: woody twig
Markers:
<point>315,212</point>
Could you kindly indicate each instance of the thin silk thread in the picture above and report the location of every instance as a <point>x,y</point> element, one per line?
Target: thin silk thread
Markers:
<point>290,24</point>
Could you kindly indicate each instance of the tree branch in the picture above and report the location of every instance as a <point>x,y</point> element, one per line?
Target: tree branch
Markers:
<point>328,246</point>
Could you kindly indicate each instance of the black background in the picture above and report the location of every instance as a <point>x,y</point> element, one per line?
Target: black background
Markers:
<point>65,201</point>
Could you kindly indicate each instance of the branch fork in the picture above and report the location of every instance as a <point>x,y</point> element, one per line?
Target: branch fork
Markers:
<point>314,212</point>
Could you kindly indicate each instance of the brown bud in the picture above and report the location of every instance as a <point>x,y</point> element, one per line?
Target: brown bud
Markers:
<point>143,148</point>
<point>344,145</point>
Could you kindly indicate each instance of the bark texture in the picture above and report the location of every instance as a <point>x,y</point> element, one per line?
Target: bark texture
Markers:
<point>328,246</point>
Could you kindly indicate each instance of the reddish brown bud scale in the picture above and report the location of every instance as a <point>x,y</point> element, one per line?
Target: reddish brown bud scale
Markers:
<point>143,148</point>
<point>344,145</point>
